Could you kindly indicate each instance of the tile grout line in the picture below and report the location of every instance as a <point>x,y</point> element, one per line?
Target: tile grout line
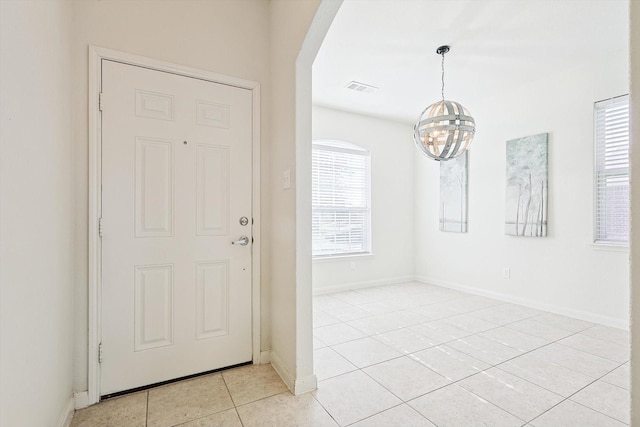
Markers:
<point>146,416</point>
<point>444,343</point>
<point>414,308</point>
<point>501,303</point>
<point>235,407</point>
<point>323,407</point>
<point>440,319</point>
<point>594,409</point>
<point>437,345</point>
<point>265,398</point>
<point>578,403</point>
<point>487,330</point>
<point>228,390</point>
<point>444,386</point>
<point>497,366</point>
<point>506,325</point>
<point>406,402</point>
<point>417,397</point>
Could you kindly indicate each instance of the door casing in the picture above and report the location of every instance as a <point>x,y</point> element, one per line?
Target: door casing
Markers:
<point>96,55</point>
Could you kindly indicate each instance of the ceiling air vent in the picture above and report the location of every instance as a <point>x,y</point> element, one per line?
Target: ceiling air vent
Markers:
<point>361,87</point>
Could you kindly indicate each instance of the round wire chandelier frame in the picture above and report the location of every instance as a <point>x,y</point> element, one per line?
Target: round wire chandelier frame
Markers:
<point>445,128</point>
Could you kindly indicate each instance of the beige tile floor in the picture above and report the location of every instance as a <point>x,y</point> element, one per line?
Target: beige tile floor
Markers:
<point>412,355</point>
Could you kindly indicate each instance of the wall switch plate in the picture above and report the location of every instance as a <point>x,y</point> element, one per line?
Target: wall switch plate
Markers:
<point>286,179</point>
<point>506,273</point>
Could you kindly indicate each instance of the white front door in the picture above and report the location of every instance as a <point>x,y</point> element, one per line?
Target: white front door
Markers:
<point>176,187</point>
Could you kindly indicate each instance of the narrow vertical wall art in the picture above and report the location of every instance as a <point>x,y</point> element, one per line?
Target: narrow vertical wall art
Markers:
<point>526,197</point>
<point>453,194</point>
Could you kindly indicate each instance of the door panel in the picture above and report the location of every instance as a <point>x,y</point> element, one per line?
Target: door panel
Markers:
<point>176,177</point>
<point>153,306</point>
<point>213,299</point>
<point>213,190</point>
<point>154,187</point>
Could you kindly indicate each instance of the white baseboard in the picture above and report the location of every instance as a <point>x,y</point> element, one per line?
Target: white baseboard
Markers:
<point>359,285</point>
<point>296,385</point>
<point>265,357</point>
<point>305,385</point>
<point>81,399</point>
<point>64,420</point>
<point>286,376</point>
<point>566,311</point>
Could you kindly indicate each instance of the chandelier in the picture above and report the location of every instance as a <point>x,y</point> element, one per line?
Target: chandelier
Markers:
<point>445,128</point>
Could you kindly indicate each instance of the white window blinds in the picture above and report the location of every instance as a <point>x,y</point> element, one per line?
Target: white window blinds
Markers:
<point>612,170</point>
<point>340,193</point>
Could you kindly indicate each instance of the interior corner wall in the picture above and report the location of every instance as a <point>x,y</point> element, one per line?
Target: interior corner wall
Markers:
<point>563,272</point>
<point>36,213</point>
<point>227,37</point>
<point>392,184</point>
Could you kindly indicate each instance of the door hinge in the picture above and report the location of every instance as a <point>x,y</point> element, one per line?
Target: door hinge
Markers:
<point>100,226</point>
<point>100,353</point>
<point>100,101</point>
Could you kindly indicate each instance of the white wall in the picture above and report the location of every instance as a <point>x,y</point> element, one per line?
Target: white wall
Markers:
<point>224,36</point>
<point>36,213</point>
<point>562,272</point>
<point>392,163</point>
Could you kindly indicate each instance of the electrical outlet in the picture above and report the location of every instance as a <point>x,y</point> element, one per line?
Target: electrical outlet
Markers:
<point>506,273</point>
<point>353,265</point>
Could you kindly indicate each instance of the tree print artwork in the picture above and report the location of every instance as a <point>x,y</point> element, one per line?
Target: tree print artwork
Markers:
<point>526,198</point>
<point>453,194</point>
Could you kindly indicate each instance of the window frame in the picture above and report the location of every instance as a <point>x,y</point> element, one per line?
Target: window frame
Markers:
<point>341,146</point>
<point>599,239</point>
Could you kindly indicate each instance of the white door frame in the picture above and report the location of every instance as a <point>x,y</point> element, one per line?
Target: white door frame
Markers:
<point>96,55</point>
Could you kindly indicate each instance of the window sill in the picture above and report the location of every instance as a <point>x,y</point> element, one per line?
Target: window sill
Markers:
<point>336,258</point>
<point>610,247</point>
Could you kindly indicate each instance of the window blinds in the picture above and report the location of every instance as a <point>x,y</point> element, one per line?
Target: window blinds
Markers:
<point>612,170</point>
<point>340,206</point>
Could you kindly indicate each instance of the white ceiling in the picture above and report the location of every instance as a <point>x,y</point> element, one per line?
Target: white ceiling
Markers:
<point>495,46</point>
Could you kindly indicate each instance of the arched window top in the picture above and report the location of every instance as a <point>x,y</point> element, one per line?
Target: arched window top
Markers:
<point>339,145</point>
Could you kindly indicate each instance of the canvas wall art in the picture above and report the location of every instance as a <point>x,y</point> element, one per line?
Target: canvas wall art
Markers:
<point>453,194</point>
<point>526,198</point>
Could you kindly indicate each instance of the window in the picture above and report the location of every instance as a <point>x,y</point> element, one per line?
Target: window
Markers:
<point>612,171</point>
<point>341,214</point>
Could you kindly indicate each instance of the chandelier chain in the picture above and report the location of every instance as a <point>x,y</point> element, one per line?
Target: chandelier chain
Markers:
<point>442,76</point>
